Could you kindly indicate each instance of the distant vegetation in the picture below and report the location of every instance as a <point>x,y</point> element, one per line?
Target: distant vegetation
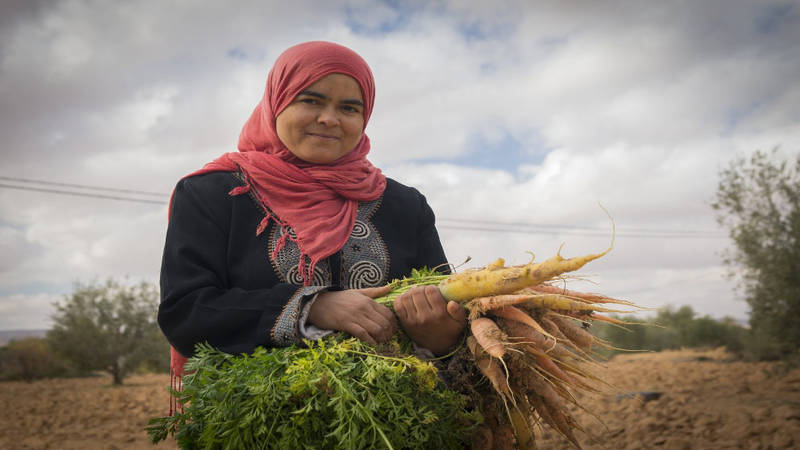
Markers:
<point>108,327</point>
<point>673,329</point>
<point>31,359</point>
<point>758,201</point>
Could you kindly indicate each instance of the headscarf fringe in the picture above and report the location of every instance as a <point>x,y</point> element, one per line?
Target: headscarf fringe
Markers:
<point>240,190</point>
<point>263,225</point>
<point>280,243</point>
<point>176,365</point>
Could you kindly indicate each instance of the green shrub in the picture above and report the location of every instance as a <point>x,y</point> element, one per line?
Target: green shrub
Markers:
<point>31,359</point>
<point>673,329</point>
<point>110,327</point>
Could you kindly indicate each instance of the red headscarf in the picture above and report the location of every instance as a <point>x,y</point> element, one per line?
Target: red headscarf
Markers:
<point>319,202</point>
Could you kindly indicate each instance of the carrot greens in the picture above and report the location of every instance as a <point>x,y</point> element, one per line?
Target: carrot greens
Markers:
<point>336,393</point>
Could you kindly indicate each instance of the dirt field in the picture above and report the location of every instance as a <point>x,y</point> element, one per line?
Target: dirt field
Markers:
<point>706,402</point>
<point>81,413</point>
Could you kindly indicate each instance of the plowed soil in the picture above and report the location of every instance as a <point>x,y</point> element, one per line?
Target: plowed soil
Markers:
<point>82,413</point>
<point>705,400</point>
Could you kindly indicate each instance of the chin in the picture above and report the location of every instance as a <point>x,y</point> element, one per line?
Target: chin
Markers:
<point>322,156</point>
<point>318,159</point>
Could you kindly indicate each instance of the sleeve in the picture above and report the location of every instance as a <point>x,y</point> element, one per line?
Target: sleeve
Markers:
<point>198,303</point>
<point>429,250</point>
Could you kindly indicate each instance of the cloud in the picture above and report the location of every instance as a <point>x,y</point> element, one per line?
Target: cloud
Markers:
<point>504,112</point>
<point>26,312</point>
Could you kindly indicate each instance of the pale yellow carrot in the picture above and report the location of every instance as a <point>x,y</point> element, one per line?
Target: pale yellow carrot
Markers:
<point>481,305</point>
<point>563,303</point>
<point>523,432</point>
<point>496,279</point>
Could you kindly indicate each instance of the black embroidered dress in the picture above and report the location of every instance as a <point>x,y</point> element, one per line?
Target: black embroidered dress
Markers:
<point>220,285</point>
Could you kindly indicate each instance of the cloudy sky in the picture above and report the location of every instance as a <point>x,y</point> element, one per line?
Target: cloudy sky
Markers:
<point>516,121</point>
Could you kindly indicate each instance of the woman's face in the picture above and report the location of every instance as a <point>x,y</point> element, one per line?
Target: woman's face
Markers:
<point>325,121</point>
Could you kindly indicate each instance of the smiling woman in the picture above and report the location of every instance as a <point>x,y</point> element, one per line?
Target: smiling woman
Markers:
<point>294,235</point>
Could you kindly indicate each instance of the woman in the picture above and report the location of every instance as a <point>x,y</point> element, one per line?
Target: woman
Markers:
<point>293,236</point>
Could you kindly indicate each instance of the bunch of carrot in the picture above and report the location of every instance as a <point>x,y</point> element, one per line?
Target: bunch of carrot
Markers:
<point>528,338</point>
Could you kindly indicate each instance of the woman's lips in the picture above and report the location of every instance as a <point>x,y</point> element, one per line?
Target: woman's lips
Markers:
<point>323,136</point>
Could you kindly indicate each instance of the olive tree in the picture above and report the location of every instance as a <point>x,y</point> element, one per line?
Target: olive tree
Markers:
<point>758,201</point>
<point>110,327</point>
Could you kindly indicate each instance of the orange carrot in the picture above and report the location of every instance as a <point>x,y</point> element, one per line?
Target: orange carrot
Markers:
<point>549,366</point>
<point>537,301</point>
<point>607,319</point>
<point>489,336</point>
<point>533,337</point>
<point>489,368</point>
<point>554,406</point>
<point>580,337</point>
<point>518,315</point>
<point>538,405</point>
<point>552,328</point>
<point>539,385</point>
<point>585,297</point>
<point>563,422</point>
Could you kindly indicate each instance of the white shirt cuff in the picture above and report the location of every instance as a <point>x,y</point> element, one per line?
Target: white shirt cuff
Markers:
<point>308,330</point>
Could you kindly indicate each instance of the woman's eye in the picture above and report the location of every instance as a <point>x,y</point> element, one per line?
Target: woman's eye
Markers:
<point>350,109</point>
<point>308,101</point>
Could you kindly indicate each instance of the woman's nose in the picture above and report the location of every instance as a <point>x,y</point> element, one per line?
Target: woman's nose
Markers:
<point>328,117</point>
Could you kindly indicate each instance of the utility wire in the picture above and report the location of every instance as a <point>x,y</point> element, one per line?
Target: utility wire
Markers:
<point>457,224</point>
<point>84,194</point>
<point>80,186</point>
<point>620,233</point>
<point>574,227</point>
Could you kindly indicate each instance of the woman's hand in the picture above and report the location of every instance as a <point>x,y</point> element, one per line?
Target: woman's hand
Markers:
<point>429,320</point>
<point>355,312</point>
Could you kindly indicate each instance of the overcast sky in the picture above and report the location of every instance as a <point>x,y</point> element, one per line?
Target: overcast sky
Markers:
<point>516,121</point>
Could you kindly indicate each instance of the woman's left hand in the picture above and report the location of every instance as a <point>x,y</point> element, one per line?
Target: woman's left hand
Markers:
<point>429,320</point>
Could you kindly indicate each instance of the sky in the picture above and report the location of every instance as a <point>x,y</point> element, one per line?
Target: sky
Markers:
<point>520,122</point>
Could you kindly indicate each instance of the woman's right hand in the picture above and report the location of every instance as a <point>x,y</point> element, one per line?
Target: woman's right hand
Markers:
<point>355,312</point>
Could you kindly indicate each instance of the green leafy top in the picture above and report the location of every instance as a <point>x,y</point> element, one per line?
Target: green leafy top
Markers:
<point>419,277</point>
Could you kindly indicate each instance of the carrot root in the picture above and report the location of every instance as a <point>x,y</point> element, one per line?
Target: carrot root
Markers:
<point>489,336</point>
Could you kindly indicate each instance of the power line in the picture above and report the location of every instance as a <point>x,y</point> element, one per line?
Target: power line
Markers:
<point>488,226</point>
<point>574,227</point>
<point>81,186</point>
<point>660,234</point>
<point>84,194</point>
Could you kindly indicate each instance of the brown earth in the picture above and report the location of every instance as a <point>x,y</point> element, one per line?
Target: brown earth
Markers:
<point>708,401</point>
<point>82,413</point>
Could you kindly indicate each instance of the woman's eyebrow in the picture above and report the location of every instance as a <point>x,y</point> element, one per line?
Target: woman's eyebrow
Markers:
<point>319,95</point>
<point>311,93</point>
<point>352,102</point>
